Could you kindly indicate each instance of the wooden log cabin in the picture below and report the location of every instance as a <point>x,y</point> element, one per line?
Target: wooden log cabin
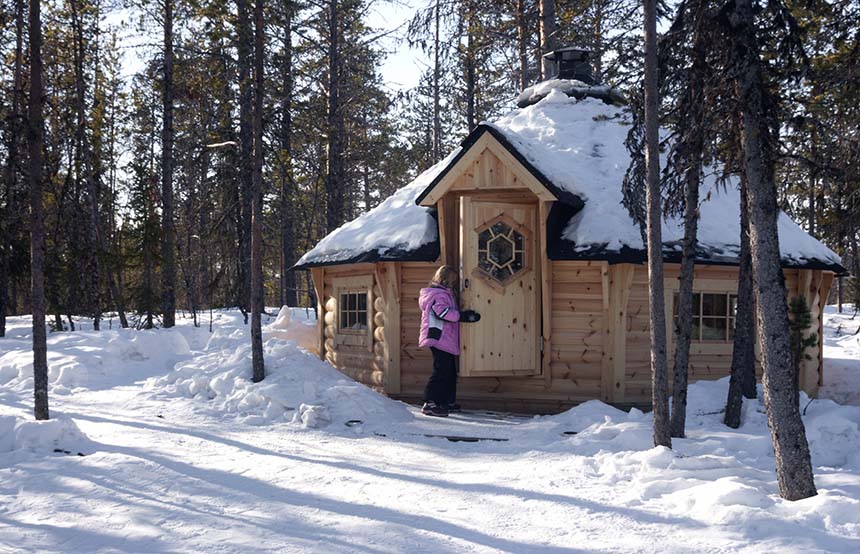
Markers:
<point>529,209</point>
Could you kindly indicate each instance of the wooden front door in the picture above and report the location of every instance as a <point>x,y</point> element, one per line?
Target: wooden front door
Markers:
<point>500,279</point>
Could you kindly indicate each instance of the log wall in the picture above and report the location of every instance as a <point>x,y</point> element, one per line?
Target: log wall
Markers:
<point>598,343</point>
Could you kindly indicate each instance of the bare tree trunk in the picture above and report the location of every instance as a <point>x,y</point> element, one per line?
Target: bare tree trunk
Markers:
<point>334,181</point>
<point>288,246</point>
<point>259,370</point>
<point>471,73</point>
<point>547,34</point>
<point>35,140</point>
<point>742,380</point>
<point>683,327</point>
<point>437,118</point>
<point>693,144</point>
<point>522,43</point>
<point>85,163</point>
<point>168,244</point>
<point>245,37</point>
<point>656,301</point>
<point>791,450</point>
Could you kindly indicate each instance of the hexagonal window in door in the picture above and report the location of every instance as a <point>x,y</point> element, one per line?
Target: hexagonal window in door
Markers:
<point>502,252</point>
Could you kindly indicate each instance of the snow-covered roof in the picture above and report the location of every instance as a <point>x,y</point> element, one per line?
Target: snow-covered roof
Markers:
<point>396,229</point>
<point>576,147</point>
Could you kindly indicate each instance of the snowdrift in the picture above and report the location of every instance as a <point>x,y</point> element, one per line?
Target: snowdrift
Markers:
<point>58,434</point>
<point>299,387</point>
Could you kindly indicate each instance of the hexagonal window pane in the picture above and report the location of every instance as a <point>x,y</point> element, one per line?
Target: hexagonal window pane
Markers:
<point>501,250</point>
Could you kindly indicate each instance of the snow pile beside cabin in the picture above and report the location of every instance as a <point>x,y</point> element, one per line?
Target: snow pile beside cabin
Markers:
<point>579,146</point>
<point>298,388</point>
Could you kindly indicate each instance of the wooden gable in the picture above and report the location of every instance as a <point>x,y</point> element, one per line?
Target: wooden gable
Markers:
<point>487,166</point>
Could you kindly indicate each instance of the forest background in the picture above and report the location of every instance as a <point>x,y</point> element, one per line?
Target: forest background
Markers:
<point>147,160</point>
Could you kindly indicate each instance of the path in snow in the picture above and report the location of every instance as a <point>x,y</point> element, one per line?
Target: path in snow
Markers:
<point>168,473</point>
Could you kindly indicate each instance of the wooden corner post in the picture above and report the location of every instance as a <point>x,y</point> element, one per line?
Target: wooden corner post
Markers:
<point>617,280</point>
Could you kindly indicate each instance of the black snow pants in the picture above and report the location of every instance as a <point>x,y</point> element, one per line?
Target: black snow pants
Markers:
<point>442,386</point>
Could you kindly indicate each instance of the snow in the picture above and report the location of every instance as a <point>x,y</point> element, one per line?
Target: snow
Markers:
<point>579,146</point>
<point>842,342</point>
<point>161,443</point>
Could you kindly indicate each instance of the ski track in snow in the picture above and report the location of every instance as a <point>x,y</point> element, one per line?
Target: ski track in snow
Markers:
<point>182,455</point>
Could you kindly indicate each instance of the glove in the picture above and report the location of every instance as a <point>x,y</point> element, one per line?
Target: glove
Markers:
<point>470,316</point>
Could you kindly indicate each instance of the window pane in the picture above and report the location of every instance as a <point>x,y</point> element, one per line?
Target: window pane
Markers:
<point>483,237</point>
<point>696,330</point>
<point>518,262</point>
<point>714,305</point>
<point>731,328</point>
<point>344,319</point>
<point>361,321</point>
<point>519,241</point>
<point>733,305</point>
<point>697,303</point>
<point>362,301</point>
<point>713,328</point>
<point>500,228</point>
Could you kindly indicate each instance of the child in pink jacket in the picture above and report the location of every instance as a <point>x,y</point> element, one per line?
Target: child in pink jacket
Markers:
<point>440,331</point>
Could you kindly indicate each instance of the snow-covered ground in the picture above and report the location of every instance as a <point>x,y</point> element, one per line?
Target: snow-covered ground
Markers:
<point>180,453</point>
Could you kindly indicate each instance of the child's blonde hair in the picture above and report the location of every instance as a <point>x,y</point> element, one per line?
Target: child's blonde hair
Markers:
<point>446,276</point>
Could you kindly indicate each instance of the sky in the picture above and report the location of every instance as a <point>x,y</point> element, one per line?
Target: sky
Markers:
<point>403,66</point>
<point>401,69</point>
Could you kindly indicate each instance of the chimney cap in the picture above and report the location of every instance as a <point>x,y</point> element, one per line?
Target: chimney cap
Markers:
<point>570,51</point>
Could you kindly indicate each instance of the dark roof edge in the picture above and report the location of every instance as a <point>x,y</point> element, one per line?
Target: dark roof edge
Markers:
<point>563,195</point>
<point>566,251</point>
<point>425,253</point>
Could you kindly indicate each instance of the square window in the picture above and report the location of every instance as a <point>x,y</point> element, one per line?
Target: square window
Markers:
<point>714,328</point>
<point>714,305</point>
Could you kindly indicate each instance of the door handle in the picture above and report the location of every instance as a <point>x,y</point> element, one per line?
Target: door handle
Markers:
<point>465,283</point>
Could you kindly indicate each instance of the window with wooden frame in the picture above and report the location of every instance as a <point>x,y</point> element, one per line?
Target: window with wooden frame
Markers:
<point>713,316</point>
<point>353,310</point>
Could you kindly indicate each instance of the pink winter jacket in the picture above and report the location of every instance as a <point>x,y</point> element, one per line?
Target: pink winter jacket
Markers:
<point>439,320</point>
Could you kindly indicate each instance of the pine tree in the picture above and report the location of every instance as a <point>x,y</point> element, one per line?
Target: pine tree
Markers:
<point>35,138</point>
<point>656,303</point>
<point>791,451</point>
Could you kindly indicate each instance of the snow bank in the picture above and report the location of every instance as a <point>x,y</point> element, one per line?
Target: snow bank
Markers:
<point>297,325</point>
<point>298,387</point>
<point>60,433</point>
<point>94,359</point>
